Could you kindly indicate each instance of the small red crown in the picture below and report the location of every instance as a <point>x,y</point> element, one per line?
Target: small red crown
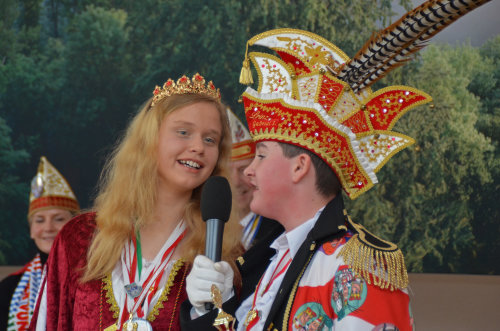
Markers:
<point>184,85</point>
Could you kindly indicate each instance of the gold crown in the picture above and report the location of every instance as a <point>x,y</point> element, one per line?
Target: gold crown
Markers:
<point>184,85</point>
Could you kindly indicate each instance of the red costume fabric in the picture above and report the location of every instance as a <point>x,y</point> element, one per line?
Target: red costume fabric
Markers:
<point>73,305</point>
<point>331,294</point>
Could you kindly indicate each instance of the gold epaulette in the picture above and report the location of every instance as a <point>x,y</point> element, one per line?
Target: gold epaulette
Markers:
<point>375,259</point>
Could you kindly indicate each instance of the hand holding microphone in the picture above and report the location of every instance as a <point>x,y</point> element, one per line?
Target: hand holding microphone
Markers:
<point>216,200</point>
<point>203,275</point>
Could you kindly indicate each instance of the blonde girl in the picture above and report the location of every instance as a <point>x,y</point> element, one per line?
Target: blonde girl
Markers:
<point>124,264</point>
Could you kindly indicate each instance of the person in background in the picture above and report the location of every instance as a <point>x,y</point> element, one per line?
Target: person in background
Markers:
<point>52,205</point>
<point>123,266</point>
<point>255,227</point>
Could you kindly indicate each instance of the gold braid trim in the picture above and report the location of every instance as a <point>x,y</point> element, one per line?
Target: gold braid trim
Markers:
<point>110,296</point>
<point>384,264</point>
<point>291,297</point>
<point>166,291</point>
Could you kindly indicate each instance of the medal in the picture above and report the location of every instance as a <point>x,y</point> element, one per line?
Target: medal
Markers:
<point>254,315</point>
<point>137,324</point>
<point>251,316</point>
<point>134,290</point>
<point>139,294</point>
<point>223,321</point>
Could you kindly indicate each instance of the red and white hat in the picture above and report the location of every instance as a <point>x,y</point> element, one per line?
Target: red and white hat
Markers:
<point>49,189</point>
<point>300,101</point>
<point>243,144</point>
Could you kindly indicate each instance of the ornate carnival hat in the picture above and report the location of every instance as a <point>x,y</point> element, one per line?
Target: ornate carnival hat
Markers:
<point>49,189</point>
<point>243,144</point>
<point>184,85</point>
<point>313,96</point>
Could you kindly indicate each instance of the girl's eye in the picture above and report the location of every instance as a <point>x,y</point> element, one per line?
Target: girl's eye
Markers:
<point>182,132</point>
<point>39,220</point>
<point>210,140</point>
<point>260,156</point>
<point>60,219</point>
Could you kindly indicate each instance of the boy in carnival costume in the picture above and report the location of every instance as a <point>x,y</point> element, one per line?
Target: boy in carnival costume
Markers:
<point>318,127</point>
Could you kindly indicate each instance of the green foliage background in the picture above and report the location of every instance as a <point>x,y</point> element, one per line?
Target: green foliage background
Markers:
<point>72,73</point>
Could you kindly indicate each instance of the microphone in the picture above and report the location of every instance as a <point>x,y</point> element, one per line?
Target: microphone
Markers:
<point>216,201</point>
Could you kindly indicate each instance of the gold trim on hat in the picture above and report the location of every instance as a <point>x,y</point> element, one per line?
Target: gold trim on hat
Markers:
<point>50,189</point>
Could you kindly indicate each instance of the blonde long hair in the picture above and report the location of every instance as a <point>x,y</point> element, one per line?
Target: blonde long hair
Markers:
<point>128,188</point>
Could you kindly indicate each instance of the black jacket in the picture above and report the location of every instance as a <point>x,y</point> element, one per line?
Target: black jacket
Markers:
<point>330,225</point>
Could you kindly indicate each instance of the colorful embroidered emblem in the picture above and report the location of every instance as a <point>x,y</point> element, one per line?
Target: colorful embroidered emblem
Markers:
<point>330,247</point>
<point>349,292</point>
<point>385,327</point>
<point>311,316</point>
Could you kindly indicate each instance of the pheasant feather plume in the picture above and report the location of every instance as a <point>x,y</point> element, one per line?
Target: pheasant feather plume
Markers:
<point>393,46</point>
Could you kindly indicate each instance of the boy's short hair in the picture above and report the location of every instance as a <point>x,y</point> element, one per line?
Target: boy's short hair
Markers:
<point>327,182</point>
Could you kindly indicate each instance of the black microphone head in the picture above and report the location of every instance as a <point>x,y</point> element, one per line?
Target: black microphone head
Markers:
<point>216,199</point>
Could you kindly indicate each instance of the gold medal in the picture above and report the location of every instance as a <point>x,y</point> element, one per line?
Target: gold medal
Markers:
<point>130,325</point>
<point>137,324</point>
<point>223,321</point>
<point>252,314</point>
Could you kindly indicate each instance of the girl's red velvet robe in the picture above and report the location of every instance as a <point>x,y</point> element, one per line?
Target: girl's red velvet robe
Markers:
<point>73,305</point>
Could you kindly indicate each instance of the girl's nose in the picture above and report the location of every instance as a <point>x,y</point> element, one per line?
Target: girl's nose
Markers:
<point>197,145</point>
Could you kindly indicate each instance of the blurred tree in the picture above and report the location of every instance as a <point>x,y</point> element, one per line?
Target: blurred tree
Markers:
<point>424,201</point>
<point>15,246</point>
<point>30,13</point>
<point>58,13</point>
<point>91,99</point>
<point>75,88</point>
<point>486,85</point>
<point>8,16</point>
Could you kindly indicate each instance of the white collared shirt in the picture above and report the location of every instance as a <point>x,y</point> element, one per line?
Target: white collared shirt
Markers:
<point>289,240</point>
<point>245,220</point>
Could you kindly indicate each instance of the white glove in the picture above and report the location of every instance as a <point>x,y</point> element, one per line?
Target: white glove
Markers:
<point>203,275</point>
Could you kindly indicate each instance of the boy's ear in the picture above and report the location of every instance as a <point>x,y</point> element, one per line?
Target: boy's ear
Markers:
<point>301,167</point>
